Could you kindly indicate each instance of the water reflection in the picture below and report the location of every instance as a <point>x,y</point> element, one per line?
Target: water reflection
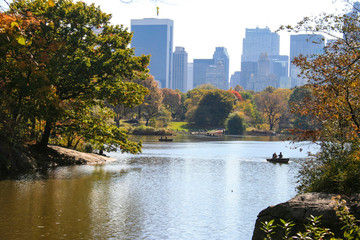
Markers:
<point>179,190</point>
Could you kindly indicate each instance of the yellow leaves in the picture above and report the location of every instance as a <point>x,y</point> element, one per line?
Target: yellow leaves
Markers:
<point>21,40</point>
<point>14,25</point>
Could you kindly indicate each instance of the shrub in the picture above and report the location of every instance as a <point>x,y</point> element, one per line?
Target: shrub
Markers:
<point>334,169</point>
<point>235,124</point>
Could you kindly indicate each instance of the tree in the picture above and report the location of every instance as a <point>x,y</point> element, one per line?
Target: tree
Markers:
<point>180,115</point>
<point>237,95</point>
<point>62,61</point>
<point>271,105</point>
<point>19,98</point>
<point>251,114</point>
<point>297,99</point>
<point>235,124</point>
<point>192,100</point>
<point>171,101</point>
<point>239,88</point>
<point>152,102</point>
<point>334,85</point>
<point>119,102</point>
<point>213,109</point>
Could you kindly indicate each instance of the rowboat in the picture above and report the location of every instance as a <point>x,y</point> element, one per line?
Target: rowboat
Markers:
<point>165,139</point>
<point>278,160</point>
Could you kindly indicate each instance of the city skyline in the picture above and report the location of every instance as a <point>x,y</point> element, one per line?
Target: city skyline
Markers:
<point>200,26</point>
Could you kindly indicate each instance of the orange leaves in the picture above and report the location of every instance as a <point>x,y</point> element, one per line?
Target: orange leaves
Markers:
<point>51,3</point>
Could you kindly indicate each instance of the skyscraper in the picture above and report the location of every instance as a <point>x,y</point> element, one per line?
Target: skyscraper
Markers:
<point>180,68</point>
<point>200,68</point>
<point>235,79</point>
<point>307,45</point>
<point>155,37</point>
<point>190,77</point>
<point>216,76</point>
<point>213,71</point>
<point>222,55</point>
<point>257,41</point>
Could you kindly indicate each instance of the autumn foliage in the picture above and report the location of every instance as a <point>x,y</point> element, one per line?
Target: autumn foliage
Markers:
<point>333,103</point>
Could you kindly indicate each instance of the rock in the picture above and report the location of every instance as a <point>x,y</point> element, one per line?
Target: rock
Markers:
<point>300,208</point>
<point>24,159</point>
<point>81,157</point>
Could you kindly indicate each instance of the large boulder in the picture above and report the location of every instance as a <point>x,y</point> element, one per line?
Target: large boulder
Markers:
<point>301,208</point>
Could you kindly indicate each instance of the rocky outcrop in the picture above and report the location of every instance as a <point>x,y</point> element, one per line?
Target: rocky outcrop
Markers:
<point>300,208</point>
<point>23,159</point>
<point>76,157</point>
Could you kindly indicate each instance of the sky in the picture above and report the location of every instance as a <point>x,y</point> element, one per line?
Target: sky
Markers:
<point>202,25</point>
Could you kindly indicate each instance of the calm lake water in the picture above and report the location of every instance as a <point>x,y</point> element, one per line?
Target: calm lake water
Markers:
<point>193,188</point>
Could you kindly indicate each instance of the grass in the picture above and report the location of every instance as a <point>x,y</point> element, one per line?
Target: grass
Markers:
<point>179,126</point>
<point>184,127</point>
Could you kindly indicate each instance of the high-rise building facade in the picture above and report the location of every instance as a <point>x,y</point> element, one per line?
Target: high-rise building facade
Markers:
<point>235,79</point>
<point>222,55</point>
<point>180,69</point>
<point>216,75</point>
<point>155,37</point>
<point>257,42</point>
<point>190,77</point>
<point>213,71</point>
<point>307,45</point>
<point>200,68</point>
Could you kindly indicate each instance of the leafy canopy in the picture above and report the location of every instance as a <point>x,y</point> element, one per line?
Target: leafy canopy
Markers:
<point>59,58</point>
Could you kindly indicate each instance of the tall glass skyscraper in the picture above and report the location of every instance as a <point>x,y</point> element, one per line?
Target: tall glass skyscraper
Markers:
<point>222,55</point>
<point>213,71</point>
<point>180,69</point>
<point>307,45</point>
<point>200,68</point>
<point>257,41</point>
<point>154,37</point>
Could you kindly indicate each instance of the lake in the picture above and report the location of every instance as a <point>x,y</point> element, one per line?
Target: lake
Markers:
<point>193,188</point>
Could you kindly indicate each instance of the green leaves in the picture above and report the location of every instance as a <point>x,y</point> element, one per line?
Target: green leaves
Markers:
<point>56,68</point>
<point>213,108</point>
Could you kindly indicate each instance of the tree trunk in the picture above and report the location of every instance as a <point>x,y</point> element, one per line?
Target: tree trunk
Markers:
<point>76,144</point>
<point>117,121</point>
<point>46,135</point>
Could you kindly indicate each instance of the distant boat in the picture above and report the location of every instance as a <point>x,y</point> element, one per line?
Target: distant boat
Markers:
<point>165,139</point>
<point>278,160</point>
